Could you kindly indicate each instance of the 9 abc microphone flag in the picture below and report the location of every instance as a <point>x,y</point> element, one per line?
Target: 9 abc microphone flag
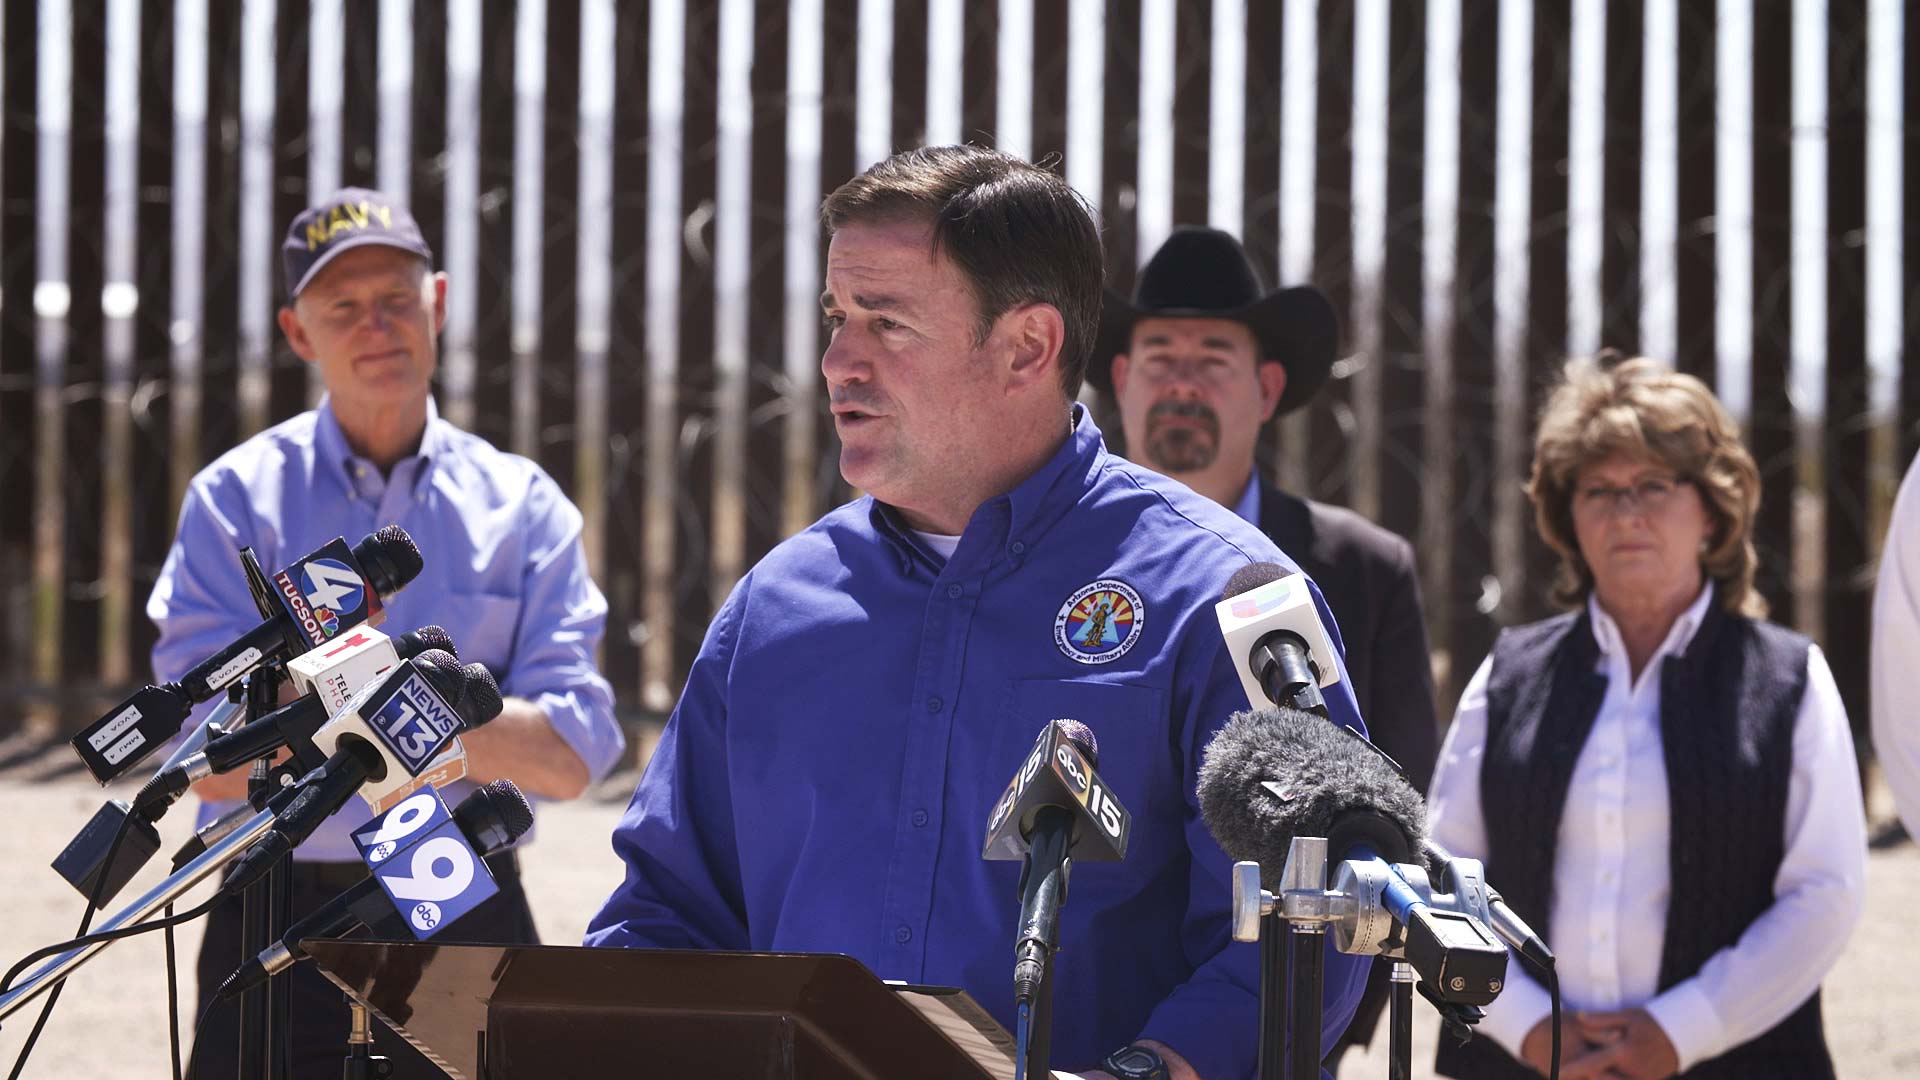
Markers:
<point>424,863</point>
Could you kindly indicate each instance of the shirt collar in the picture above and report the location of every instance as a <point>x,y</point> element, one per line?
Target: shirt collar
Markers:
<point>1249,505</point>
<point>1017,519</point>
<point>1606,632</point>
<point>335,455</point>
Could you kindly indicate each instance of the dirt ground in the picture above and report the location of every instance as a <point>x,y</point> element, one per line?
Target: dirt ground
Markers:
<point>112,1020</point>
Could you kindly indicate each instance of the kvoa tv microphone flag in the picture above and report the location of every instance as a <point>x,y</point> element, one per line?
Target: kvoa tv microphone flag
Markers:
<point>327,591</point>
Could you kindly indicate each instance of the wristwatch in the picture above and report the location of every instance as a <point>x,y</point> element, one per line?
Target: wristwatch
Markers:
<point>1136,1063</point>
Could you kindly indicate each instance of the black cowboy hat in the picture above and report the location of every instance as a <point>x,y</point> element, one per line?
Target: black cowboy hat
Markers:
<point>1205,274</point>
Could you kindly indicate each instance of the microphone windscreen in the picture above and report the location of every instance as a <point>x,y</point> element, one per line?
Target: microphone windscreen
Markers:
<point>1081,736</point>
<point>442,672</point>
<point>390,558</point>
<point>414,642</point>
<point>1251,577</point>
<point>1274,774</point>
<point>494,816</point>
<point>479,700</point>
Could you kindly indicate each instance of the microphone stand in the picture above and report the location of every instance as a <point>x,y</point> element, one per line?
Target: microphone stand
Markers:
<point>60,967</point>
<point>361,1062</point>
<point>1400,1022</point>
<point>1291,927</point>
<point>1304,908</point>
<point>266,905</point>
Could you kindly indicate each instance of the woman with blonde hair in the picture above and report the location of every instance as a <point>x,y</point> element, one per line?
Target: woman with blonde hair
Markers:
<point>1662,783</point>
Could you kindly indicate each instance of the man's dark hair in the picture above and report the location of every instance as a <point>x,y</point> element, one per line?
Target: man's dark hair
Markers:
<point>1016,231</point>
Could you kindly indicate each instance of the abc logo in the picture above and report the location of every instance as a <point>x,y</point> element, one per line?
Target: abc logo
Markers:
<point>379,852</point>
<point>425,915</point>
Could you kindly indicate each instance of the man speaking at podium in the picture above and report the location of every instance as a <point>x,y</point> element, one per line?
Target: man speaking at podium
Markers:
<point>868,689</point>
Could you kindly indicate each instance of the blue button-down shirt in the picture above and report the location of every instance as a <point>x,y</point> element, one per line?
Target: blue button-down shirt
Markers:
<point>825,782</point>
<point>504,570</point>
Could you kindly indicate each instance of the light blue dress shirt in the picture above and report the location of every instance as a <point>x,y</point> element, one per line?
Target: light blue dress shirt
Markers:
<point>504,570</point>
<point>859,702</point>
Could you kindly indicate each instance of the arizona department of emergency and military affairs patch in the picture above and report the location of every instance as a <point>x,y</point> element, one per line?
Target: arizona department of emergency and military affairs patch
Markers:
<point>1099,623</point>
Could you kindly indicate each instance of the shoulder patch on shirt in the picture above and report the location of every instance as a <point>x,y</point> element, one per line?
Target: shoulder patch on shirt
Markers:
<point>1099,622</point>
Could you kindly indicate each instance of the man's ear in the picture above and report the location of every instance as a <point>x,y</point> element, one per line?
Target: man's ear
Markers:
<point>439,302</point>
<point>1036,333</point>
<point>296,335</point>
<point>1273,383</point>
<point>1121,365</point>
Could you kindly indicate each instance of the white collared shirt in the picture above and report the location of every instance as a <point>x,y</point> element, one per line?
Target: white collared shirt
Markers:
<point>1895,700</point>
<point>1612,877</point>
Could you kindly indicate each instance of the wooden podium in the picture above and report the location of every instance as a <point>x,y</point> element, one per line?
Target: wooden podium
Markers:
<point>491,1012</point>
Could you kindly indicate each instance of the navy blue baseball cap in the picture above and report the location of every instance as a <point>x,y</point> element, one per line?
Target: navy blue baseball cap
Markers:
<point>353,217</point>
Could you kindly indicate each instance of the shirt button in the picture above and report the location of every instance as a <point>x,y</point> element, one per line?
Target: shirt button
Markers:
<point>1018,547</point>
<point>954,591</point>
<point>933,703</point>
<point>903,935</point>
<point>919,819</point>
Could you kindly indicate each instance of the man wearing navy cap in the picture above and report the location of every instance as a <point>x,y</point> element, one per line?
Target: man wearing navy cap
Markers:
<point>504,571</point>
<point>1201,358</point>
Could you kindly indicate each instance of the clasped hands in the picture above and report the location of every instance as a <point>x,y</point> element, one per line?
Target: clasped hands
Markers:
<point>1624,1045</point>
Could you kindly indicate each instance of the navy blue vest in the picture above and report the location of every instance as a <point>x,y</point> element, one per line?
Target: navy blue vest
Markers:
<point>1727,709</point>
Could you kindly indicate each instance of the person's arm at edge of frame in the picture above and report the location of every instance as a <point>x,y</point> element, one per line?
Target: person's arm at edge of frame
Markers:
<point>682,887</point>
<point>556,732</point>
<point>1896,648</point>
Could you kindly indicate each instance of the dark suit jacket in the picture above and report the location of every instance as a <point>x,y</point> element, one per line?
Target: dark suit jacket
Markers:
<point>1367,575</point>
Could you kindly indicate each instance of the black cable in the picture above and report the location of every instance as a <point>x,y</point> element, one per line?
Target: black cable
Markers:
<point>199,1028</point>
<point>1553,988</point>
<point>86,920</point>
<point>173,1000</point>
<point>108,935</point>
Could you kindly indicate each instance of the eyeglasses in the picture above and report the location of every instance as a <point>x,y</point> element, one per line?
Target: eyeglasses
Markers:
<point>1650,495</point>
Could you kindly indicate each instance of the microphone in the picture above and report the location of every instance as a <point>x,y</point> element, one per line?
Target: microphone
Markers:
<point>1505,921</point>
<point>491,819</point>
<point>1275,774</point>
<point>388,734</point>
<point>1274,634</point>
<point>334,672</point>
<point>1056,807</point>
<point>321,594</point>
<point>329,676</point>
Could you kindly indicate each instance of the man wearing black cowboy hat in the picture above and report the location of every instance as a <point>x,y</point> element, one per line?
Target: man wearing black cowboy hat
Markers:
<point>1199,360</point>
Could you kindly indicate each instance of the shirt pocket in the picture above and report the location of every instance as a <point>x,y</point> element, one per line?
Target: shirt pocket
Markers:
<point>483,626</point>
<point>1130,731</point>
